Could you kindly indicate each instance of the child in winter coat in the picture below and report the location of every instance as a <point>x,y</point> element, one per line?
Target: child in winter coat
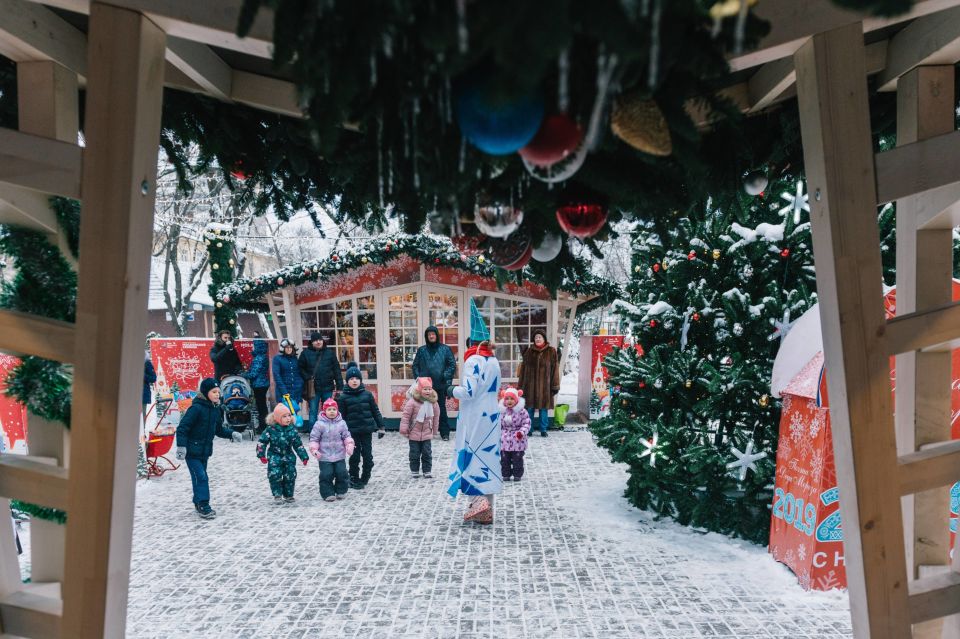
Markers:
<point>331,444</point>
<point>359,409</point>
<point>279,447</point>
<point>514,427</point>
<point>420,423</point>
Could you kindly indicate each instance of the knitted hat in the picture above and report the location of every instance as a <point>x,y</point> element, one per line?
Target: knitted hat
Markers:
<point>280,411</point>
<point>539,331</point>
<point>315,337</point>
<point>424,383</point>
<point>206,386</point>
<point>353,371</point>
<point>513,393</point>
<point>330,402</point>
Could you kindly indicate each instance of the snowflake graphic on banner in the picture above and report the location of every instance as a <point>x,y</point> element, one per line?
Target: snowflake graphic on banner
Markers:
<point>816,465</point>
<point>802,553</point>
<point>819,419</point>
<point>797,428</point>
<point>804,579</point>
<point>796,203</point>
<point>829,582</point>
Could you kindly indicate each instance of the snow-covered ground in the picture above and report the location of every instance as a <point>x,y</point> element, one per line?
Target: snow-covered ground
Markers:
<point>566,557</point>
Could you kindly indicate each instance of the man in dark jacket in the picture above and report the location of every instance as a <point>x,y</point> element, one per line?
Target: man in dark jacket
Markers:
<point>435,360</point>
<point>202,421</point>
<point>320,362</point>
<point>149,379</point>
<point>224,356</point>
<point>259,376</point>
<point>359,409</point>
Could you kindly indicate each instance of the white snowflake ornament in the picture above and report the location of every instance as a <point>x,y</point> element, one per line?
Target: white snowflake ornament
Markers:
<point>746,460</point>
<point>651,448</point>
<point>796,202</point>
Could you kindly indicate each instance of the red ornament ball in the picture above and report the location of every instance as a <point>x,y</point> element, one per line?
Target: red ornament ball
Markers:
<point>436,260</point>
<point>653,323</point>
<point>238,171</point>
<point>279,281</point>
<point>558,136</point>
<point>642,385</point>
<point>696,317</point>
<point>582,219</point>
<point>656,268</point>
<point>334,258</point>
<point>785,253</point>
<point>692,255</point>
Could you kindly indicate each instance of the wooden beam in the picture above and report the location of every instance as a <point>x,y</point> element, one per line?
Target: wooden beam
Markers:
<point>33,481</point>
<point>25,334</point>
<point>204,67</point>
<point>915,168</point>
<point>123,108</point>
<point>212,22</point>
<point>932,467</point>
<point>931,40</point>
<point>30,209</point>
<point>835,125</point>
<point>793,23</point>
<point>922,330</point>
<point>266,93</point>
<point>934,597</point>
<point>40,163</point>
<point>30,32</point>
<point>770,81</point>
<point>26,614</point>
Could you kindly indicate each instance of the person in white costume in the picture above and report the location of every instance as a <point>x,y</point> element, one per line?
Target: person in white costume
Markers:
<point>476,460</point>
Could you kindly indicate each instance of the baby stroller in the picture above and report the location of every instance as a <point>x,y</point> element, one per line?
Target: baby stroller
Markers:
<point>239,409</point>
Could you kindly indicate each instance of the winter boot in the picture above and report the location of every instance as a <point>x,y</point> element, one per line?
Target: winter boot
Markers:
<point>289,500</point>
<point>330,498</point>
<point>277,499</point>
<point>206,512</point>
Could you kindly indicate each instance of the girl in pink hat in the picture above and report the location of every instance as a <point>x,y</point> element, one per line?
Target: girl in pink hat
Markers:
<point>420,423</point>
<point>331,444</point>
<point>514,428</point>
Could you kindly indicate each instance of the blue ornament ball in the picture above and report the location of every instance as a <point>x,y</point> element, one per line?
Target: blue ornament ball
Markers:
<point>494,124</point>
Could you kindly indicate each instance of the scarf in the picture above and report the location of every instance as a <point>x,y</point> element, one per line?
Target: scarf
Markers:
<point>477,350</point>
<point>425,413</point>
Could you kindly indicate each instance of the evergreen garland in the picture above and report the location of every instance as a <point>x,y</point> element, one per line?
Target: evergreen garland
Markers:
<point>220,242</point>
<point>39,512</point>
<point>574,277</point>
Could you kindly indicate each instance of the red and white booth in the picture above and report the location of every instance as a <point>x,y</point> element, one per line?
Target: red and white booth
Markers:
<point>806,531</point>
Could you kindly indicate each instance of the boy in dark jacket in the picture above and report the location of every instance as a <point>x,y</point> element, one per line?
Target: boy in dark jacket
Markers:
<point>279,447</point>
<point>259,376</point>
<point>319,362</point>
<point>359,409</point>
<point>199,424</point>
<point>436,361</point>
<point>226,360</point>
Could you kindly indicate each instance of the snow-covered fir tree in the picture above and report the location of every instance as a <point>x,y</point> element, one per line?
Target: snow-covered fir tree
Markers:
<point>711,298</point>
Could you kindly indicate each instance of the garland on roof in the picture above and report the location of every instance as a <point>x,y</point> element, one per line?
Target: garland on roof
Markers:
<point>247,293</point>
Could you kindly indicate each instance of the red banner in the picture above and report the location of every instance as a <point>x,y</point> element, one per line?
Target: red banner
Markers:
<point>370,277</point>
<point>13,415</point>
<point>184,362</point>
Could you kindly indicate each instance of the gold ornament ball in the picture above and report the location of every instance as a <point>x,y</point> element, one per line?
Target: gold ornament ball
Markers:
<point>481,259</point>
<point>230,262</point>
<point>246,287</point>
<point>215,266</point>
<point>233,321</point>
<point>364,259</point>
<point>764,401</point>
<point>636,269</point>
<point>624,402</point>
<point>638,121</point>
<point>688,383</point>
<point>716,254</point>
<point>219,304</point>
<point>219,244</point>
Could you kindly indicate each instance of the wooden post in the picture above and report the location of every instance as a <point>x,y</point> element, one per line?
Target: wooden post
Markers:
<point>924,281</point>
<point>835,123</point>
<point>47,98</point>
<point>123,104</point>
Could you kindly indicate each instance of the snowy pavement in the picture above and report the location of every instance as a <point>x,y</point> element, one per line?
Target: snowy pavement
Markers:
<point>566,557</point>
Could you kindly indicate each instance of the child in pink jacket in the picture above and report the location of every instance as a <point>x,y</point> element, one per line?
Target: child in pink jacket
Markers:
<point>331,444</point>
<point>514,427</point>
<point>420,423</point>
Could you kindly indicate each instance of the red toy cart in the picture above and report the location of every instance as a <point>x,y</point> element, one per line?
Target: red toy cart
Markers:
<point>158,445</point>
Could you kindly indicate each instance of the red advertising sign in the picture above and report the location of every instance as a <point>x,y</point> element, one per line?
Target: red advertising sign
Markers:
<point>184,362</point>
<point>593,390</point>
<point>13,415</point>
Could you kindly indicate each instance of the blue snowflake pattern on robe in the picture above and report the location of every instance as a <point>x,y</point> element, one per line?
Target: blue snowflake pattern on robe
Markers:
<point>476,463</point>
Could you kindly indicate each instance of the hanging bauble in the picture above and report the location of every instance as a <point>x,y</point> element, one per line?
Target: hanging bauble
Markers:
<point>549,248</point>
<point>716,254</point>
<point>558,136</point>
<point>246,287</point>
<point>639,122</point>
<point>492,122</point>
<point>497,220</point>
<point>364,259</point>
<point>231,262</point>
<point>764,401</point>
<point>728,8</point>
<point>215,266</point>
<point>219,244</point>
<point>468,244</point>
<point>279,281</point>
<point>219,304</point>
<point>226,299</point>
<point>582,219</point>
<point>233,321</point>
<point>512,253</point>
<point>238,171</point>
<point>755,182</point>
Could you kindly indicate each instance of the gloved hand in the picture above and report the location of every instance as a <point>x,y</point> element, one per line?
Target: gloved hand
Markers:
<point>520,435</point>
<point>181,452</point>
<point>381,433</point>
<point>263,460</point>
<point>350,445</point>
<point>236,437</point>
<point>305,461</point>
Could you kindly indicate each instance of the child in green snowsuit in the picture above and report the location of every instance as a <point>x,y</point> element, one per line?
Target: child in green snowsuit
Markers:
<point>277,447</point>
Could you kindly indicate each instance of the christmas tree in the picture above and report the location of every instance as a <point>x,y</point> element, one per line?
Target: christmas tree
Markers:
<point>712,298</point>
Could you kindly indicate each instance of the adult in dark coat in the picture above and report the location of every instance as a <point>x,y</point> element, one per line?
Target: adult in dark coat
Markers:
<point>539,379</point>
<point>286,375</point>
<point>226,360</point>
<point>359,409</point>
<point>198,426</point>
<point>320,362</point>
<point>149,379</point>
<point>259,376</point>
<point>436,361</point>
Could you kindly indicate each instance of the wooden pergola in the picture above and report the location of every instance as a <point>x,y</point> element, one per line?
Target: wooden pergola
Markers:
<point>893,473</point>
